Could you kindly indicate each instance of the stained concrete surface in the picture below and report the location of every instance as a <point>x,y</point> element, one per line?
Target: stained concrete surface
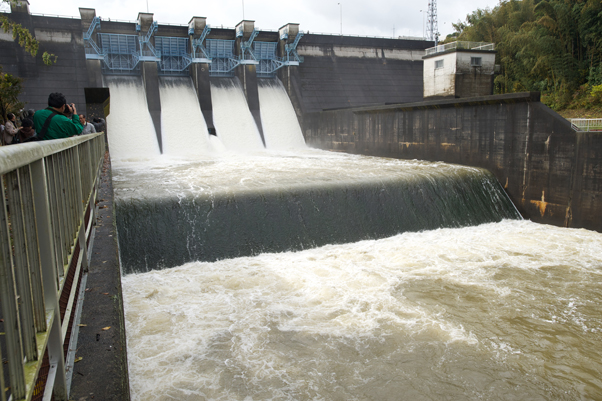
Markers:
<point>102,372</point>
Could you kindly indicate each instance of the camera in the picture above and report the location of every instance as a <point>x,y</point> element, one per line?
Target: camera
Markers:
<point>69,108</point>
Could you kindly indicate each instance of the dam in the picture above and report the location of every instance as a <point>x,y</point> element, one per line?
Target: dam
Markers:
<point>300,274</point>
<point>257,267</point>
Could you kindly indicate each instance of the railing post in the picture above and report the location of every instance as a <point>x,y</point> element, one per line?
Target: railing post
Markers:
<point>80,211</point>
<point>49,277</point>
<point>10,308</point>
<point>35,272</point>
<point>54,221</point>
<point>2,386</point>
<point>21,266</point>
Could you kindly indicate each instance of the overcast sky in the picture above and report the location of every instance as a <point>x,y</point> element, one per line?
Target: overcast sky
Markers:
<point>360,17</point>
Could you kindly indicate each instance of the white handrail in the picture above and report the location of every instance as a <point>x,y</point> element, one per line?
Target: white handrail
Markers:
<point>47,209</point>
<point>461,45</point>
<point>586,124</point>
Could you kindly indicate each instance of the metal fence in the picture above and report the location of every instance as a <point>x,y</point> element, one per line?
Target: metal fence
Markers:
<point>586,124</point>
<point>461,45</point>
<point>47,214</point>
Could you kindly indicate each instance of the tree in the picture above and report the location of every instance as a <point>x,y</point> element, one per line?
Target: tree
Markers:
<point>10,85</point>
<point>10,88</point>
<point>25,38</point>
<point>551,46</point>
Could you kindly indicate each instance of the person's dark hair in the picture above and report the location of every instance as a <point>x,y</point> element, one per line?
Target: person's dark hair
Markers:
<point>56,100</point>
<point>27,123</point>
<point>10,116</point>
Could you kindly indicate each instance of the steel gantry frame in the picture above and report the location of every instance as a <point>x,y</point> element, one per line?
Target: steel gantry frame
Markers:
<point>122,53</point>
<point>269,62</point>
<point>247,55</point>
<point>150,53</point>
<point>203,54</point>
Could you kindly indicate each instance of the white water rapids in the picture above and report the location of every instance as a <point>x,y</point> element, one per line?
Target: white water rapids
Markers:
<point>508,310</point>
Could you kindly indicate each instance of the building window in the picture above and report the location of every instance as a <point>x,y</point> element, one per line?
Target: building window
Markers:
<point>475,61</point>
<point>438,64</point>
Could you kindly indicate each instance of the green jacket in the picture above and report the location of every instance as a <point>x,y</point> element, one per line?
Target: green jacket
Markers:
<point>60,126</point>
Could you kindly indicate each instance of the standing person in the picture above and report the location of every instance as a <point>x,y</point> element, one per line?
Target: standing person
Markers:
<point>10,129</point>
<point>26,132</point>
<point>88,127</point>
<point>52,122</point>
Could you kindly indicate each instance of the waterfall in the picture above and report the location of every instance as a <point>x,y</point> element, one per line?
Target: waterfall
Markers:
<point>233,121</point>
<point>280,126</point>
<point>130,132</point>
<point>245,206</point>
<point>182,123</point>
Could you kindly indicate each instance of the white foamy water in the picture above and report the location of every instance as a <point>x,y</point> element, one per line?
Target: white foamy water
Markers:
<point>281,128</point>
<point>264,171</point>
<point>183,126</point>
<point>233,121</point>
<point>509,310</point>
<point>131,133</point>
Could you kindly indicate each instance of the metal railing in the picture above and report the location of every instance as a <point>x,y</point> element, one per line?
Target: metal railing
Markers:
<point>460,45</point>
<point>47,213</point>
<point>420,38</point>
<point>586,124</point>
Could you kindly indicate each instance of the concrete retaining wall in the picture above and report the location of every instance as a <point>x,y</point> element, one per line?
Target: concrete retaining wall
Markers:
<point>342,71</point>
<point>552,173</point>
<point>59,36</point>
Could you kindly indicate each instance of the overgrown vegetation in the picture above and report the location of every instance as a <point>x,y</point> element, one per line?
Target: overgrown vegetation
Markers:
<point>550,46</point>
<point>10,88</point>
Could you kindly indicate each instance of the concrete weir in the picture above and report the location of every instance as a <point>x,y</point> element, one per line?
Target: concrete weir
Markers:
<point>204,211</point>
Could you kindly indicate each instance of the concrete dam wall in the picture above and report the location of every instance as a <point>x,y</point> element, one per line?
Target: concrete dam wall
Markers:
<point>549,171</point>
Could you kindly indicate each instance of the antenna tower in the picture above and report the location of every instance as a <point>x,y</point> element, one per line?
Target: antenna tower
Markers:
<point>432,28</point>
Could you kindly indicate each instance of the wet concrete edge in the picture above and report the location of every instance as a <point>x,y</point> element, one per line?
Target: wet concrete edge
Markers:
<point>101,373</point>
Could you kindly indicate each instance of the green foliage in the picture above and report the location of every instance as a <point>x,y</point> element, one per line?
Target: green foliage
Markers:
<point>10,88</point>
<point>596,95</point>
<point>551,46</point>
<point>25,38</point>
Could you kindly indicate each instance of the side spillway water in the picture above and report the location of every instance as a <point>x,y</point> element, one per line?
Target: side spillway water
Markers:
<point>280,127</point>
<point>236,206</point>
<point>179,104</point>
<point>233,120</point>
<point>131,134</point>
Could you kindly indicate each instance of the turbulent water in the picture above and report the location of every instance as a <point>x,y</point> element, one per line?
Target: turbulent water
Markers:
<point>229,206</point>
<point>182,124</point>
<point>278,118</point>
<point>502,311</point>
<point>232,118</point>
<point>131,134</point>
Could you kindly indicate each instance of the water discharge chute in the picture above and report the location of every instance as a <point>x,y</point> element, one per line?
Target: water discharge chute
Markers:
<point>280,126</point>
<point>131,132</point>
<point>183,126</point>
<point>233,121</point>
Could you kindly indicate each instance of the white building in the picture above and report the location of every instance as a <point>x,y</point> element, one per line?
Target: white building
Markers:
<point>459,69</point>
